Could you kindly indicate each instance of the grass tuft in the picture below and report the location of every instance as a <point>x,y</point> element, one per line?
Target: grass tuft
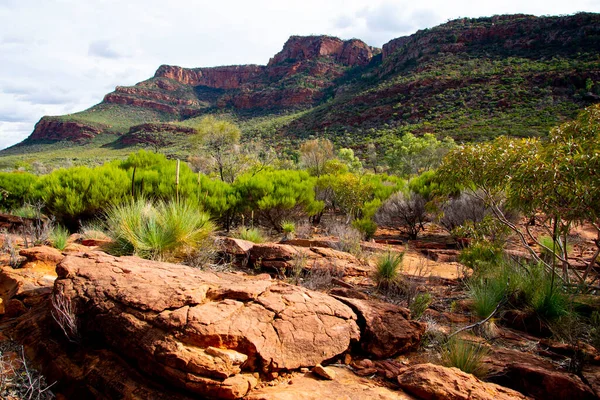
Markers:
<point>466,356</point>
<point>253,235</point>
<point>59,237</point>
<point>388,267</point>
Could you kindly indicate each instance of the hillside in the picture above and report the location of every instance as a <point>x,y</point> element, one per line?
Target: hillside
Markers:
<point>471,79</point>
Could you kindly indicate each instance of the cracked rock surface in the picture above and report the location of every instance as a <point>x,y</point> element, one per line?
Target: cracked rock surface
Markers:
<point>202,331</point>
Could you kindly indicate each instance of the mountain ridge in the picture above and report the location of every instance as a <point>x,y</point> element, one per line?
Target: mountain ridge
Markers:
<point>418,82</point>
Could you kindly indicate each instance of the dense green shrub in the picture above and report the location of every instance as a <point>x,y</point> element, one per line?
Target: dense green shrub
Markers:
<point>15,189</point>
<point>481,256</point>
<point>366,226</point>
<point>274,196</point>
<point>80,193</point>
<point>161,230</point>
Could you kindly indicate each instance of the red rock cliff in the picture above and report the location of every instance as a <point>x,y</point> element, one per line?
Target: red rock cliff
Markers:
<point>49,128</point>
<point>230,77</point>
<point>299,48</point>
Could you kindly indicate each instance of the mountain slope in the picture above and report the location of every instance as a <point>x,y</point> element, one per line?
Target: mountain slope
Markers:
<point>469,78</point>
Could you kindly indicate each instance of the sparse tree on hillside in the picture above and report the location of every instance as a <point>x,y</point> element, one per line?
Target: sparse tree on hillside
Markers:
<point>314,154</point>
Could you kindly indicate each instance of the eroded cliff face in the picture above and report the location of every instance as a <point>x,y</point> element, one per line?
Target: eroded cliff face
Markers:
<point>300,48</point>
<point>49,128</point>
<point>230,77</point>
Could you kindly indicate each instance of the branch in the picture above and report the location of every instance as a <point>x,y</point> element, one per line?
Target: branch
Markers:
<point>476,324</point>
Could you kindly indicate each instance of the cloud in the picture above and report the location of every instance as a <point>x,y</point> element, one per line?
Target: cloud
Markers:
<point>103,48</point>
<point>13,132</point>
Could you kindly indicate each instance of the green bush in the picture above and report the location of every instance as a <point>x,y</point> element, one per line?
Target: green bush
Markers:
<point>481,256</point>
<point>388,267</point>
<point>26,211</point>
<point>81,193</point>
<point>59,237</point>
<point>419,304</point>
<point>366,227</point>
<point>15,189</point>
<point>160,231</point>
<point>274,196</point>
<point>549,249</point>
<point>466,356</point>
<point>486,294</point>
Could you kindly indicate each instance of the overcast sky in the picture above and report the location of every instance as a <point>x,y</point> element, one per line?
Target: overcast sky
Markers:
<point>62,56</point>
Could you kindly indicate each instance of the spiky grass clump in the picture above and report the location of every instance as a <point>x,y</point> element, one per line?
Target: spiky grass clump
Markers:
<point>93,230</point>
<point>486,294</point>
<point>158,231</point>
<point>253,235</point>
<point>466,356</point>
<point>59,237</point>
<point>388,268</point>
<point>26,211</point>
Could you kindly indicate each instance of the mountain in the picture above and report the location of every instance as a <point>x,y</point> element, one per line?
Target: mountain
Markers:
<point>468,78</point>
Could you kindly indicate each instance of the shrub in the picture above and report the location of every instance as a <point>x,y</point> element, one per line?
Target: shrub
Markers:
<point>93,230</point>
<point>80,193</point>
<point>253,235</point>
<point>419,304</point>
<point>550,249</point>
<point>457,211</point>
<point>388,265</point>
<point>366,227</point>
<point>466,356</point>
<point>481,256</point>
<point>289,229</point>
<point>59,237</point>
<point>349,238</point>
<point>15,189</point>
<point>164,230</point>
<point>404,210</point>
<point>26,211</point>
<point>275,196</point>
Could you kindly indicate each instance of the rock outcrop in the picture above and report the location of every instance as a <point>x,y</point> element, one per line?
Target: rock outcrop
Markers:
<point>51,128</point>
<point>431,382</point>
<point>388,329</point>
<point>202,331</point>
<point>228,77</point>
<point>300,48</point>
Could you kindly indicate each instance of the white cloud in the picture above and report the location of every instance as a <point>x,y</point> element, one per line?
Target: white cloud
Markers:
<point>60,56</point>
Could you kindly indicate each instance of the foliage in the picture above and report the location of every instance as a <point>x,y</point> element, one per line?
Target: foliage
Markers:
<point>253,235</point>
<point>59,237</point>
<point>419,304</point>
<point>366,227</point>
<point>406,210</point>
<point>81,192</point>
<point>93,230</point>
<point>408,154</point>
<point>219,139</point>
<point>288,227</point>
<point>486,294</point>
<point>315,153</point>
<point>387,270</point>
<point>481,256</point>
<point>349,238</point>
<point>15,189</point>
<point>160,231</point>
<point>26,211</point>
<point>274,196</point>
<point>466,356</point>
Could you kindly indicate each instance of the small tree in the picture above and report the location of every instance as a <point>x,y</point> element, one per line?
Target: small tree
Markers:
<point>314,154</point>
<point>219,138</point>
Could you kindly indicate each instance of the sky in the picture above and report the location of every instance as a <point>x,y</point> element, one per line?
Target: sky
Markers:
<point>62,56</point>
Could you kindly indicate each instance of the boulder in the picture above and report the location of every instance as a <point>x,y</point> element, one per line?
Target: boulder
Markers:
<point>236,247</point>
<point>429,381</point>
<point>282,257</point>
<point>388,330</point>
<point>43,254</point>
<point>535,376</point>
<point>324,372</point>
<point>198,330</point>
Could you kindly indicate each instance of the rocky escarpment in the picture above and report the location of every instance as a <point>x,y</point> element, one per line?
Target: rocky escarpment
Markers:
<point>49,128</point>
<point>464,78</point>
<point>300,48</point>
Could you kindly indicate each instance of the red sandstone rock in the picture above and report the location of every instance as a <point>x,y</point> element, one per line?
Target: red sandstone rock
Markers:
<point>299,48</point>
<point>198,330</point>
<point>432,382</point>
<point>236,247</point>
<point>49,128</point>
<point>44,254</point>
<point>388,330</point>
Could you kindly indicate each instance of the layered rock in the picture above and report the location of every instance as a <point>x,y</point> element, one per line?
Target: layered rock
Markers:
<point>228,77</point>
<point>49,128</point>
<point>300,48</point>
<point>198,330</point>
<point>430,382</point>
